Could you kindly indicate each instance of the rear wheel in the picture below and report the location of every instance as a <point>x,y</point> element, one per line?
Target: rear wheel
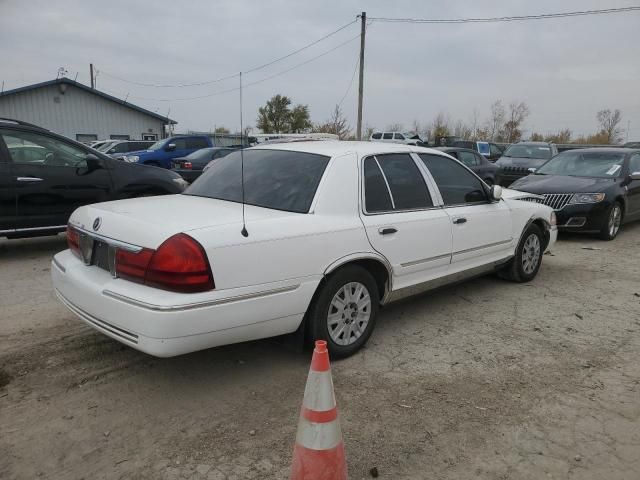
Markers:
<point>528,258</point>
<point>345,311</point>
<point>614,220</point>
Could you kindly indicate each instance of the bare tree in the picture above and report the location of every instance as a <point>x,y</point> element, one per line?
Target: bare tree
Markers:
<point>394,127</point>
<point>462,130</point>
<point>336,125</point>
<point>440,127</point>
<point>518,112</point>
<point>610,125</point>
<point>475,125</point>
<point>495,124</point>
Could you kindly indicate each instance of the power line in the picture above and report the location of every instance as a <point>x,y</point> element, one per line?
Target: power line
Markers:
<point>519,18</point>
<point>245,85</point>
<point>227,77</point>
<point>353,75</point>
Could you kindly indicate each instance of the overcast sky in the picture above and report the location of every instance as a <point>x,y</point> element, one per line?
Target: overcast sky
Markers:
<point>565,70</point>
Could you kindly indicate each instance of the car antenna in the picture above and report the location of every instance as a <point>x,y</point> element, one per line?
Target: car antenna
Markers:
<point>244,231</point>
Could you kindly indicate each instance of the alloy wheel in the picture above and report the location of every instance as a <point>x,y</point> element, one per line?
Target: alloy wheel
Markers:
<point>349,313</point>
<point>531,254</point>
<point>615,218</point>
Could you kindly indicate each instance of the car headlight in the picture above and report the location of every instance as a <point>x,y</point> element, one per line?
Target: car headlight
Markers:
<point>587,198</point>
<point>181,182</point>
<point>131,158</point>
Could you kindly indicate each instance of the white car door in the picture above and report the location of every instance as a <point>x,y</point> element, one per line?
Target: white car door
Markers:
<point>402,221</point>
<point>481,228</point>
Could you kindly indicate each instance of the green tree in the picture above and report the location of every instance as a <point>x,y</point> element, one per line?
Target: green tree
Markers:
<point>277,116</point>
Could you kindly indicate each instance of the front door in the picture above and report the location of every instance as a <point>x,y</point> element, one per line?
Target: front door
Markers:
<point>481,229</point>
<point>52,178</point>
<point>633,188</point>
<point>7,193</point>
<point>401,221</point>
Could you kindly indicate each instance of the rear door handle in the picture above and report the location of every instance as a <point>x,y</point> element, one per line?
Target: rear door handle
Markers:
<point>29,179</point>
<point>387,230</point>
<point>460,220</point>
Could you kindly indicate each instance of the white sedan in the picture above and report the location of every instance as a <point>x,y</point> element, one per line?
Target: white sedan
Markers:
<point>333,231</point>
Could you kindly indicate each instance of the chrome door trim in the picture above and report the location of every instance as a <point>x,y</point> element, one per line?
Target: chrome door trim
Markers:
<point>488,245</point>
<point>393,203</point>
<point>29,179</point>
<point>425,260</point>
<point>204,304</point>
<point>33,229</point>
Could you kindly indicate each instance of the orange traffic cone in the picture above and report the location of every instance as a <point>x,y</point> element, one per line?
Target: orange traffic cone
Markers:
<point>319,451</point>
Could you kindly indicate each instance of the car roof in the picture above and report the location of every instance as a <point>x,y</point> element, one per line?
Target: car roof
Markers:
<point>533,143</point>
<point>334,148</point>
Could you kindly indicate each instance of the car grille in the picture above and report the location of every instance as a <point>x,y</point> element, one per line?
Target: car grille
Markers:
<point>509,170</point>
<point>557,201</point>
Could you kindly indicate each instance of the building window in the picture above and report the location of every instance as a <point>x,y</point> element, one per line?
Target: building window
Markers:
<point>86,137</point>
<point>149,136</point>
<point>119,137</point>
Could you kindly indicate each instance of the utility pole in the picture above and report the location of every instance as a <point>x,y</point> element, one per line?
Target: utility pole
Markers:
<point>628,126</point>
<point>93,84</point>
<point>363,28</point>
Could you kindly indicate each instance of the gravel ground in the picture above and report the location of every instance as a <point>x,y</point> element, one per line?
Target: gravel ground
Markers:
<point>485,379</point>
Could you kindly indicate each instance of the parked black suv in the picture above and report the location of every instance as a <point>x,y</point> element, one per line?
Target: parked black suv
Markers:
<point>44,177</point>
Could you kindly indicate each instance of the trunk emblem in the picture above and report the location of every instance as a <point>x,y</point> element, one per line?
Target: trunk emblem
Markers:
<point>96,224</point>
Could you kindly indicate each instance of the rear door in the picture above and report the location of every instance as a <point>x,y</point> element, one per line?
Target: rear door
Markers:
<point>481,229</point>
<point>402,221</point>
<point>53,179</point>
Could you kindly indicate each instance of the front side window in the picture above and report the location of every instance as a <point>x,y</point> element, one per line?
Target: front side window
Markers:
<point>196,142</point>
<point>468,158</point>
<point>277,179</point>
<point>376,136</point>
<point>387,136</point>
<point>456,184</point>
<point>399,136</point>
<point>399,176</point>
<point>180,143</point>
<point>35,149</point>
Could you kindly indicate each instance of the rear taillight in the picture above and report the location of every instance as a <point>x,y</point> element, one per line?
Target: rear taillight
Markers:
<point>73,240</point>
<point>179,264</point>
<point>187,165</point>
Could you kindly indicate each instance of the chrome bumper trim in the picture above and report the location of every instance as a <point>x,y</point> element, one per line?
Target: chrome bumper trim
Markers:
<point>108,240</point>
<point>191,306</point>
<point>97,323</point>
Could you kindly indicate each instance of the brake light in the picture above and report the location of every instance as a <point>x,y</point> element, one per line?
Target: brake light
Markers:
<point>187,165</point>
<point>73,240</point>
<point>180,265</point>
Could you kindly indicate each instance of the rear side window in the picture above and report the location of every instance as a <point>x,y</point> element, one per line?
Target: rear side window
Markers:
<point>376,136</point>
<point>277,179</point>
<point>196,142</point>
<point>468,158</point>
<point>377,198</point>
<point>387,136</point>
<point>398,175</point>
<point>456,184</point>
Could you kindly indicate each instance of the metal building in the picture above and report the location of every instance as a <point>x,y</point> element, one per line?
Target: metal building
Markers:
<point>79,112</point>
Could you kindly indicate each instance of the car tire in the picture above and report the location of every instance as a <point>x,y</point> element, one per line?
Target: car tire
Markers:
<point>614,220</point>
<point>528,258</point>
<point>333,315</point>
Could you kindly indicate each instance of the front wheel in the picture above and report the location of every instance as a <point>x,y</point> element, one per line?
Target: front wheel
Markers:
<point>614,219</point>
<point>525,264</point>
<point>345,311</point>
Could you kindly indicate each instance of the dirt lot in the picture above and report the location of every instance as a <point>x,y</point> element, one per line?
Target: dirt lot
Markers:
<point>482,380</point>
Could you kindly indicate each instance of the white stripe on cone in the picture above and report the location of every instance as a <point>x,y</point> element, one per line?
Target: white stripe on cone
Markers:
<point>318,436</point>
<point>318,394</point>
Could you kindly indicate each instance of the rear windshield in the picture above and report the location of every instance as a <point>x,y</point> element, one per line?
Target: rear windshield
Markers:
<point>278,179</point>
<point>539,152</point>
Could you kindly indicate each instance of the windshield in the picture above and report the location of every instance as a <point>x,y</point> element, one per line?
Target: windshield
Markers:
<point>528,151</point>
<point>202,154</point>
<point>277,179</point>
<point>584,164</point>
<point>158,145</point>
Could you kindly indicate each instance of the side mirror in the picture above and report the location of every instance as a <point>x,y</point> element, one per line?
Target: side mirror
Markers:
<point>531,170</point>
<point>496,192</point>
<point>635,176</point>
<point>170,147</point>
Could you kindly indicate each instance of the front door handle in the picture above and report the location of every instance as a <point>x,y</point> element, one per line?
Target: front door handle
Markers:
<point>29,179</point>
<point>387,230</point>
<point>460,220</point>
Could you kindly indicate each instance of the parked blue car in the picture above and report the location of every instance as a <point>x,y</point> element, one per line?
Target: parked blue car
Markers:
<point>161,153</point>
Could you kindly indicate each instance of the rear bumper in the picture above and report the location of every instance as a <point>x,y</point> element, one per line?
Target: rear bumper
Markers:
<point>166,324</point>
